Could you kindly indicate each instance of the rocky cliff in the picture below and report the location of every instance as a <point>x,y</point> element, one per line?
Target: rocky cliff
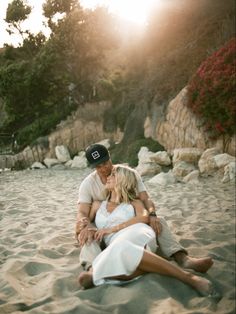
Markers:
<point>177,128</point>
<point>83,127</point>
<point>180,128</point>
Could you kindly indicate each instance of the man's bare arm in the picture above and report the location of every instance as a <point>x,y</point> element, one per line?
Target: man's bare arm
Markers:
<point>148,203</point>
<point>82,217</point>
<point>83,210</point>
<point>150,206</point>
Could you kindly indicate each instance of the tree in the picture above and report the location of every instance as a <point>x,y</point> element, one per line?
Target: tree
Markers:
<point>14,92</point>
<point>35,78</point>
<point>17,12</point>
<point>52,7</point>
<point>82,39</point>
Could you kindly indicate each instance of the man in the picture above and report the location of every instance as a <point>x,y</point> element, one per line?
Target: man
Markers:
<point>93,189</point>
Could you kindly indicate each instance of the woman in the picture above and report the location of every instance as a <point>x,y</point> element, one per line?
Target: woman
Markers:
<point>121,222</point>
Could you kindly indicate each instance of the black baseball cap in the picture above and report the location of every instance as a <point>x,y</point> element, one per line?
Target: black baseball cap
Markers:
<point>97,154</point>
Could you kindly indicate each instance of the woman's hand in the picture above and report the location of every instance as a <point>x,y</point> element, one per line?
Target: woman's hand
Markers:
<point>155,223</point>
<point>99,234</point>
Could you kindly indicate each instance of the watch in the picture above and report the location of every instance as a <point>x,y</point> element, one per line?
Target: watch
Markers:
<point>152,214</point>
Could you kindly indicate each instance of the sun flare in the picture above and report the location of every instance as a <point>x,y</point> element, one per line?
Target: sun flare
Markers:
<point>136,11</point>
<point>132,10</point>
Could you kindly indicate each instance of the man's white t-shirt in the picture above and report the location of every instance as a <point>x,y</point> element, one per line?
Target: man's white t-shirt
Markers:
<point>92,189</point>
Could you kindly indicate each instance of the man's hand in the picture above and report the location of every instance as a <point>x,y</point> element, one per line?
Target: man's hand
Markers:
<point>86,235</point>
<point>80,225</point>
<point>83,222</point>
<point>101,233</point>
<point>155,223</point>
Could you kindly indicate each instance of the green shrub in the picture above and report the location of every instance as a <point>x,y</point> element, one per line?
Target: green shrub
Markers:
<point>40,127</point>
<point>128,153</point>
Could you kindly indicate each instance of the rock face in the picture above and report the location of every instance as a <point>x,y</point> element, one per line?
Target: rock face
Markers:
<point>83,127</point>
<point>180,128</point>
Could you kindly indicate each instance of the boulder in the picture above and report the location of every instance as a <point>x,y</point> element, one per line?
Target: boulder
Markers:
<point>163,178</point>
<point>148,169</point>
<point>69,163</point>
<point>190,155</point>
<point>50,162</point>
<point>229,172</point>
<point>37,165</point>
<point>207,164</point>
<point>182,168</point>
<point>222,160</point>
<point>62,153</point>
<point>161,158</point>
<point>192,176</point>
<point>79,162</point>
<point>144,155</point>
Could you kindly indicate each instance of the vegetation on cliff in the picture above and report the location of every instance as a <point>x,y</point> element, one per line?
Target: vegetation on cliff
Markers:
<point>43,80</point>
<point>212,91</point>
<point>88,58</point>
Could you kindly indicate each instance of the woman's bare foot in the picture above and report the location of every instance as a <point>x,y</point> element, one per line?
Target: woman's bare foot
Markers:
<point>202,285</point>
<point>200,265</point>
<point>86,279</point>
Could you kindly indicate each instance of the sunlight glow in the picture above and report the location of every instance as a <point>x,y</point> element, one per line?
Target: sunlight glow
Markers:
<point>132,10</point>
<point>136,11</point>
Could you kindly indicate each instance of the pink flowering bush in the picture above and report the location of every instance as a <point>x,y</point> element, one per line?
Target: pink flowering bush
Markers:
<point>212,91</point>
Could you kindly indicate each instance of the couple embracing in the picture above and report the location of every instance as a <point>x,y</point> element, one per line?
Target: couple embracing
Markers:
<point>118,229</point>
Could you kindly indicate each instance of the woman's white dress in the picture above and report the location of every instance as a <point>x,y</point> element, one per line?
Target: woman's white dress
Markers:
<point>124,249</point>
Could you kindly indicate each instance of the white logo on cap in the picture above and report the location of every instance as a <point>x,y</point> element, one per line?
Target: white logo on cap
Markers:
<point>95,155</point>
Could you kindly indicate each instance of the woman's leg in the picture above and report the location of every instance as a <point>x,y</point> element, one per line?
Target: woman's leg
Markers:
<point>86,277</point>
<point>152,263</point>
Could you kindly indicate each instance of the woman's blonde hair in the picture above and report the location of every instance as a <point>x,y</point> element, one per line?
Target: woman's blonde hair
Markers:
<point>126,184</point>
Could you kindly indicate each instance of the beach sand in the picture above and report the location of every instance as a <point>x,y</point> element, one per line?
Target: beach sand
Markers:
<point>39,255</point>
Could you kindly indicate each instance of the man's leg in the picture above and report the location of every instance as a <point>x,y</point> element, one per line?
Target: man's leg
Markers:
<point>171,248</point>
<point>200,265</point>
<point>88,253</point>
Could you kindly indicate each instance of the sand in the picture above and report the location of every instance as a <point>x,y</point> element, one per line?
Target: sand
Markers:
<point>39,255</point>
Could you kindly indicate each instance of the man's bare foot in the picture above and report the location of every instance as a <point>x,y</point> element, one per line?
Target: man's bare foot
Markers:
<point>86,279</point>
<point>200,265</point>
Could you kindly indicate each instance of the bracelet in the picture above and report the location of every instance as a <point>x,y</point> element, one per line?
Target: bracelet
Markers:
<point>152,214</point>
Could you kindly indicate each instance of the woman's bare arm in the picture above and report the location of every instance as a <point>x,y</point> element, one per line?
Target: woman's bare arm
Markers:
<point>141,217</point>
